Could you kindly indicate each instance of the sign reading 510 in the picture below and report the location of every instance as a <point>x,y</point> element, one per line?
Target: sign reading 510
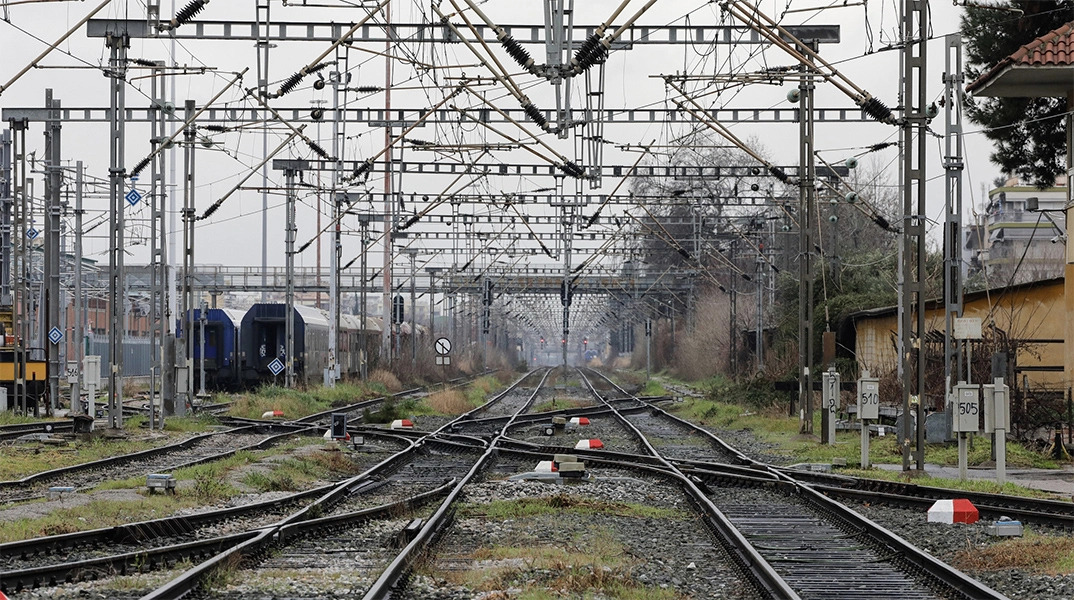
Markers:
<point>868,398</point>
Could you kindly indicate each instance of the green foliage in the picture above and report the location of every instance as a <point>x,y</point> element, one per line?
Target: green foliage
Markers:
<point>560,503</point>
<point>297,403</point>
<point>197,424</point>
<point>653,388</point>
<point>210,489</point>
<point>93,515</point>
<point>1028,133</point>
<point>756,393</point>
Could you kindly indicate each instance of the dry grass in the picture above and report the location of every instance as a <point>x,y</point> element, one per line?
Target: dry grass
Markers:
<point>1038,553</point>
<point>449,402</point>
<point>387,379</point>
<point>539,571</point>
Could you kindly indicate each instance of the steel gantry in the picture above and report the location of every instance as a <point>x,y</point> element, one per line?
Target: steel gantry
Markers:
<point>482,241</point>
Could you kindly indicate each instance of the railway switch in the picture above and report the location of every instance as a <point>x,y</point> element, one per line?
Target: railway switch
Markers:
<point>58,491</point>
<point>574,470</point>
<point>1006,527</point>
<point>408,533</point>
<point>160,481</point>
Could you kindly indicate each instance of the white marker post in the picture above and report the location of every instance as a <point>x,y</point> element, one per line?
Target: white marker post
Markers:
<point>91,378</point>
<point>830,401</point>
<point>997,419</point>
<point>868,408</point>
<point>967,410</point>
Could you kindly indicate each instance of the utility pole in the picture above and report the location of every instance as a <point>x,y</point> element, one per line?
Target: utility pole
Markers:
<point>291,168</point>
<point>732,326</point>
<point>363,223</point>
<point>53,189</point>
<point>339,79</point>
<point>952,242</point>
<point>806,210</point>
<point>915,24</point>
<point>6,202</point>
<point>21,293</point>
<point>185,398</point>
<point>262,24</point>
<point>413,307</point>
<point>118,42</point>
<point>161,341</point>
<point>760,308</point>
<point>79,330</point>
<point>432,271</point>
<point>388,337</point>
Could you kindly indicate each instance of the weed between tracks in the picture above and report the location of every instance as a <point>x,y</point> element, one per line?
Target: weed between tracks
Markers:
<point>449,402</point>
<point>28,459</point>
<point>298,473</point>
<point>199,485</point>
<point>590,564</point>
<point>560,503</point>
<point>562,403</point>
<point>1044,554</point>
<point>296,403</point>
<point>598,564</point>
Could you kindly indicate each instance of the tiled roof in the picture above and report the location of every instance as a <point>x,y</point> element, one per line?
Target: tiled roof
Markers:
<point>1053,49</point>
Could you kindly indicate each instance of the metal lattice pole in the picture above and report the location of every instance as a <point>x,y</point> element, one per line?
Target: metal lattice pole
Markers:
<point>914,33</point>
<point>118,42</point>
<point>953,80</point>
<point>54,183</point>
<point>806,209</point>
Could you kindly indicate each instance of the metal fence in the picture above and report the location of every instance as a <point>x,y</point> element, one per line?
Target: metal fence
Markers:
<point>137,355</point>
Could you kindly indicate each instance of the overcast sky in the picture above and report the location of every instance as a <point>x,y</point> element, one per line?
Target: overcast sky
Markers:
<point>233,235</point>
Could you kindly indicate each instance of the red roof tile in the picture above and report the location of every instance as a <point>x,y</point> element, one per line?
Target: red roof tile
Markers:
<point>1053,49</point>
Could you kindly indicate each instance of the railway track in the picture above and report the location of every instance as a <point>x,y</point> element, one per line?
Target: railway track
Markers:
<point>192,451</point>
<point>17,430</point>
<point>796,542</point>
<point>779,530</point>
<point>405,481</point>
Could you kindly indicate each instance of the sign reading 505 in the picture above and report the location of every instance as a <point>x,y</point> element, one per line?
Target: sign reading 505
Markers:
<point>966,408</point>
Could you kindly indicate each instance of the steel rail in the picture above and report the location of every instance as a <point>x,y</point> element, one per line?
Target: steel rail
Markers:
<point>1059,513</point>
<point>952,578</point>
<point>939,571</point>
<point>189,581</point>
<point>724,446</point>
<point>145,530</point>
<point>760,571</point>
<point>13,432</point>
<point>396,572</point>
<point>150,453</point>
<point>148,530</point>
<point>122,564</point>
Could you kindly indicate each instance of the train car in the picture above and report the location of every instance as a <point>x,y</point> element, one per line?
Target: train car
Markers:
<point>263,339</point>
<point>354,348</point>
<point>29,367</point>
<point>223,328</point>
